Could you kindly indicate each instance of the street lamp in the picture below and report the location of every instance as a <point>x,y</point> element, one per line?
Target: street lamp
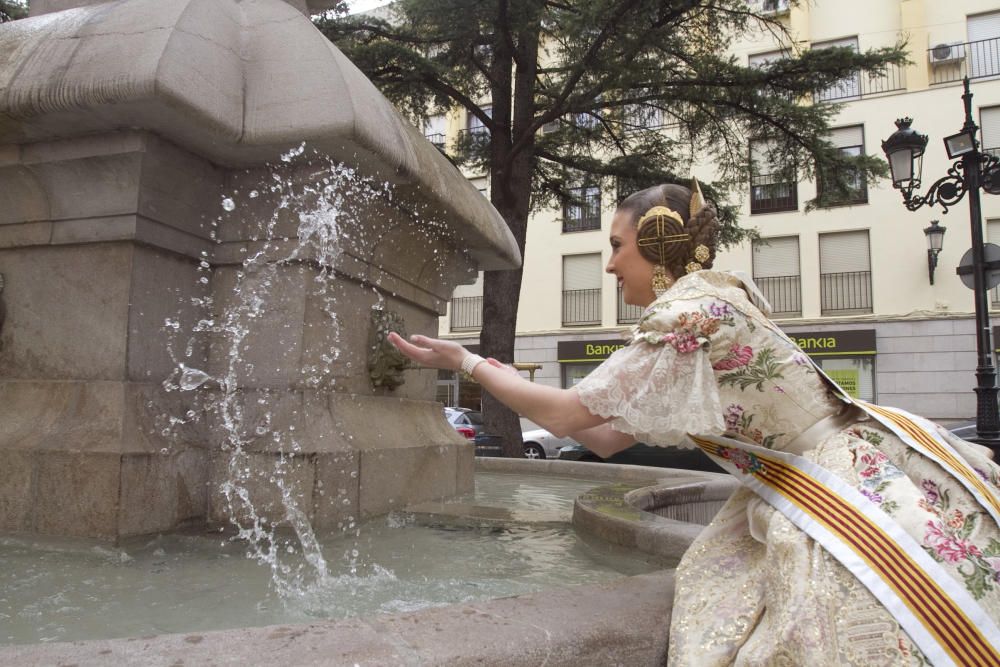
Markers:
<point>935,239</point>
<point>971,171</point>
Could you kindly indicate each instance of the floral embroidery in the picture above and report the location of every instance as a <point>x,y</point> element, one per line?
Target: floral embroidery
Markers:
<point>693,329</point>
<point>762,367</point>
<point>738,421</point>
<point>875,470</point>
<point>946,539</point>
<point>745,462</point>
<point>738,355</point>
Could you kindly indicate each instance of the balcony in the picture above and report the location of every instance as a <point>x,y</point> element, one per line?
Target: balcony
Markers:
<point>950,63</point>
<point>861,85</point>
<point>437,139</point>
<point>784,293</point>
<point>584,214</point>
<point>627,313</point>
<point>581,307</point>
<point>847,293</point>
<point>771,193</point>
<point>467,313</point>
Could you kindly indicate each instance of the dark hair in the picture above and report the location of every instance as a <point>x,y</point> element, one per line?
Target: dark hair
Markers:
<point>702,229</point>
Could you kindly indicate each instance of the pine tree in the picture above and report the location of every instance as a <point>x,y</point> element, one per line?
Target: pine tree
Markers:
<point>559,85</point>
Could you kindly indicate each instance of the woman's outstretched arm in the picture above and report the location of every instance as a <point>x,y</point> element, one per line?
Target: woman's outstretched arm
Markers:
<point>557,410</point>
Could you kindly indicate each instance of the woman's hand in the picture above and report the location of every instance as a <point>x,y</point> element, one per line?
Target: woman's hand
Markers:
<point>431,352</point>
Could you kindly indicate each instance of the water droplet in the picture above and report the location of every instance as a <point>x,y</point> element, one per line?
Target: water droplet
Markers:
<point>228,204</point>
<point>164,451</point>
<point>192,378</point>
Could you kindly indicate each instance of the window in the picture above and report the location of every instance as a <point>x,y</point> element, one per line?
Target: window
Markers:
<point>467,306</point>
<point>845,277</point>
<point>993,236</point>
<point>772,187</point>
<point>848,87</point>
<point>581,290</point>
<point>474,126</point>
<point>989,122</point>
<point>984,45</point>
<point>582,212</point>
<point>851,141</point>
<point>760,59</point>
<point>644,115</point>
<point>776,272</point>
<point>627,312</point>
<point>434,130</point>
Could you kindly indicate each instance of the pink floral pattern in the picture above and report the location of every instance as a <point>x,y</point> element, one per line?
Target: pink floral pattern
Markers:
<point>744,461</point>
<point>739,355</point>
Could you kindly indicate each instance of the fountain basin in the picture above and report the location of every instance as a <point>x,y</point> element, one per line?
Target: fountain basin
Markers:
<point>623,621</point>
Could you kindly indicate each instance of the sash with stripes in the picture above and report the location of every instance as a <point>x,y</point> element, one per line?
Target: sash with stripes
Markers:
<point>938,614</point>
<point>916,432</point>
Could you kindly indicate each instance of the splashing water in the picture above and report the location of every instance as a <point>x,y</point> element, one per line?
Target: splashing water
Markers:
<point>325,212</point>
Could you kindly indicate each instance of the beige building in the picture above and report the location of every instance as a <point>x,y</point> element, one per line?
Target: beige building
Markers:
<point>851,281</point>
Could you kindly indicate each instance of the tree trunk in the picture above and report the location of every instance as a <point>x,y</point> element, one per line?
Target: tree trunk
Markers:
<point>510,187</point>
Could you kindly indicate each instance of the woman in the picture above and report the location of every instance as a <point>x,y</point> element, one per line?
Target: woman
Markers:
<point>862,536</point>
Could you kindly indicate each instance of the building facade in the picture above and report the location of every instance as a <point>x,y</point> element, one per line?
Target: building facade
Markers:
<point>850,282</point>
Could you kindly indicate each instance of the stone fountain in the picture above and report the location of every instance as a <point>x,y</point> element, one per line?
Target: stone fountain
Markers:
<point>133,134</point>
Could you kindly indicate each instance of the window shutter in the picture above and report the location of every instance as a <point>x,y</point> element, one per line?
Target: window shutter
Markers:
<point>849,41</point>
<point>435,124</point>
<point>848,136</point>
<point>983,26</point>
<point>844,252</point>
<point>581,272</point>
<point>776,257</point>
<point>993,231</point>
<point>760,59</point>
<point>989,120</point>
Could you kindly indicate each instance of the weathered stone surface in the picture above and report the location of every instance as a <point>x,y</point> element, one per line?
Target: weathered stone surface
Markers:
<point>624,623</point>
<point>236,82</point>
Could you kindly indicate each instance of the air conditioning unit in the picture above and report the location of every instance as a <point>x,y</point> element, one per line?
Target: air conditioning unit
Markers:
<point>773,6</point>
<point>945,53</point>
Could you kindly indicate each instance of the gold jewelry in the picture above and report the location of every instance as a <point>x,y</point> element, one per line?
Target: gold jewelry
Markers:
<point>659,228</point>
<point>697,199</point>
<point>658,211</point>
<point>702,253</point>
<point>661,281</point>
<point>692,267</point>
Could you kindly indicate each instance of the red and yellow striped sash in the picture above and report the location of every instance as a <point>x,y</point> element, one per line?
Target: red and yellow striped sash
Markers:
<point>916,436</point>
<point>942,617</point>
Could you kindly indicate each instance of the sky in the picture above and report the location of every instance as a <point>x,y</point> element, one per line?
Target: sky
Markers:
<point>365,5</point>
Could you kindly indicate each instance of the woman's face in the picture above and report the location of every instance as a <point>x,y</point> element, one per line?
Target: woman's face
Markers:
<point>634,271</point>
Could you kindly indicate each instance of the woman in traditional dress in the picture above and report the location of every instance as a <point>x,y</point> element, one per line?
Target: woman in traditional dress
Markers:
<point>862,535</point>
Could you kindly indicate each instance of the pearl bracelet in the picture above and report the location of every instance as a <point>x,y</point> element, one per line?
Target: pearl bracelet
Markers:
<point>470,362</point>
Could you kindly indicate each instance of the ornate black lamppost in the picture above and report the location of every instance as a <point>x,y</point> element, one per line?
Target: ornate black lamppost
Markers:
<point>971,171</point>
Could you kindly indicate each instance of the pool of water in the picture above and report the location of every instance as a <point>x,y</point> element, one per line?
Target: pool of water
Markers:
<point>62,591</point>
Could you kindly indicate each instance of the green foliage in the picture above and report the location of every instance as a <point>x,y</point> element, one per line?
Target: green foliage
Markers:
<point>11,10</point>
<point>594,66</point>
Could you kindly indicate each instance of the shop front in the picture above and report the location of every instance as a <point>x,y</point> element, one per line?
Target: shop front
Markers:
<point>848,357</point>
<point>578,357</point>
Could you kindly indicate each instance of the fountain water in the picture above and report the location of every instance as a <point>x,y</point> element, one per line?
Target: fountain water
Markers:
<point>192,301</point>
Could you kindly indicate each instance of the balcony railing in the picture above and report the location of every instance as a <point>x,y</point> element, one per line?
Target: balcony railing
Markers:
<point>784,293</point>
<point>995,298</point>
<point>581,307</point>
<point>627,313</point>
<point>953,62</point>
<point>437,139</point>
<point>770,193</point>
<point>857,193</point>
<point>583,214</point>
<point>467,313</point>
<point>848,293</point>
<point>863,84</point>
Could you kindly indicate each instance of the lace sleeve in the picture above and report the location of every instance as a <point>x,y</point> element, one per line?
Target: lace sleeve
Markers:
<point>662,386</point>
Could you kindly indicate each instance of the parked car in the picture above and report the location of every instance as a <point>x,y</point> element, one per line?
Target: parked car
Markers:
<point>540,444</point>
<point>467,422</point>
<point>641,454</point>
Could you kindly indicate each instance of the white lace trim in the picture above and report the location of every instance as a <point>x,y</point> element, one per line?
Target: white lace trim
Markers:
<point>656,394</point>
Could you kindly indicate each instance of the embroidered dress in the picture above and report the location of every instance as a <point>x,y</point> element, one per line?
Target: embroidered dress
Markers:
<point>754,589</point>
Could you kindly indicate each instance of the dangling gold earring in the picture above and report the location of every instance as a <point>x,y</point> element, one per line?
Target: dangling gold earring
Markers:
<point>661,282</point>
